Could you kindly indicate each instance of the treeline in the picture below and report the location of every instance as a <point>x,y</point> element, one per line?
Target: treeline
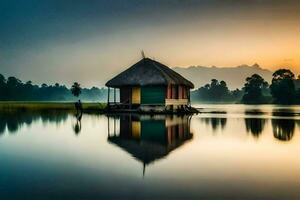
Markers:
<point>284,89</point>
<point>216,92</point>
<point>13,89</point>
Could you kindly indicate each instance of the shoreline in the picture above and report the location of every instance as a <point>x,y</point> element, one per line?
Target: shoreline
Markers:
<point>47,105</point>
<point>101,108</point>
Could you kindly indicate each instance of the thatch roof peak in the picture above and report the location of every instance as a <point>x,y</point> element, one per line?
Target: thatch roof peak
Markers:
<point>148,72</point>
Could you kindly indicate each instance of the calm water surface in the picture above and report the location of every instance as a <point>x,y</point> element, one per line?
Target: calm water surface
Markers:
<point>228,151</point>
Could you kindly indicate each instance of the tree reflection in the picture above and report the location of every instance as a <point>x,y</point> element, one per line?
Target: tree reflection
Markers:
<point>215,123</point>
<point>13,120</point>
<point>255,126</point>
<point>286,112</point>
<point>283,129</point>
<point>77,125</point>
<point>53,117</point>
<point>2,125</point>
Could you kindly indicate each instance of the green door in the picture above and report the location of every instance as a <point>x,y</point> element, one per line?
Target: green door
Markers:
<point>154,95</point>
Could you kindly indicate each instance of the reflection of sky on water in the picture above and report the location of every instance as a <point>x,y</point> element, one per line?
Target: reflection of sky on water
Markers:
<point>228,156</point>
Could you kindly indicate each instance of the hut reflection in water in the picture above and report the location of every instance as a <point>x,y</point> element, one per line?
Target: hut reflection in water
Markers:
<point>148,138</point>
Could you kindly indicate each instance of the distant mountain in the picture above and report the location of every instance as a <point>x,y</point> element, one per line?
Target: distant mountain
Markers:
<point>233,76</point>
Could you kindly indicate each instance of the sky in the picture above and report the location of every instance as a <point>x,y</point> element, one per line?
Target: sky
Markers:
<point>90,41</point>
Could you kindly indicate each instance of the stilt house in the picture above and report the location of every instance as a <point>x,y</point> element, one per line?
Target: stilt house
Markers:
<point>149,85</point>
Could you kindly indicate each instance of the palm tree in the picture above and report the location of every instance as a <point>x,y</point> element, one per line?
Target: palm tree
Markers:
<point>76,89</point>
<point>3,81</point>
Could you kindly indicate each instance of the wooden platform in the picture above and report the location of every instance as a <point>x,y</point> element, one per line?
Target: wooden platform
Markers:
<point>150,110</point>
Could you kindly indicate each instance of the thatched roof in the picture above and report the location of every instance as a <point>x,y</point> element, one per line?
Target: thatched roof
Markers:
<point>148,72</point>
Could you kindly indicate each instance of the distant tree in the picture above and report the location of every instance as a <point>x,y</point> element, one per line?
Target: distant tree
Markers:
<point>13,87</point>
<point>28,86</point>
<point>218,90</point>
<point>44,85</point>
<point>297,96</point>
<point>283,87</point>
<point>297,82</point>
<point>28,91</point>
<point>76,89</point>
<point>223,85</point>
<point>214,92</point>
<point>237,94</point>
<point>2,87</point>
<point>13,82</point>
<point>2,79</point>
<point>253,89</point>
<point>214,83</point>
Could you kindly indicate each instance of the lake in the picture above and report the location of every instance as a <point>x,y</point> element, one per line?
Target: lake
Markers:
<point>226,152</point>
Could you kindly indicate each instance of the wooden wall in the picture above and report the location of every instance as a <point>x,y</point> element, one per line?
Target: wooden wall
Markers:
<point>152,95</point>
<point>177,92</point>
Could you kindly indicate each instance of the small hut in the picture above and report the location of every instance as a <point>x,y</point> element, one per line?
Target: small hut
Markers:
<point>150,86</point>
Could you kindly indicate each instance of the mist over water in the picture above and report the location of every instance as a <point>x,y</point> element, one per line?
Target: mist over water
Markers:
<point>228,151</point>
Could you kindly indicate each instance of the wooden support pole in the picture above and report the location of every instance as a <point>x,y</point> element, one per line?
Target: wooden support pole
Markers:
<point>108,89</point>
<point>115,95</point>
<point>130,98</point>
<point>114,125</point>
<point>189,97</point>
<point>108,126</point>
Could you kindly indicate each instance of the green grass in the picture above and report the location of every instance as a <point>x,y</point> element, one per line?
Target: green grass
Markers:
<point>66,106</point>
